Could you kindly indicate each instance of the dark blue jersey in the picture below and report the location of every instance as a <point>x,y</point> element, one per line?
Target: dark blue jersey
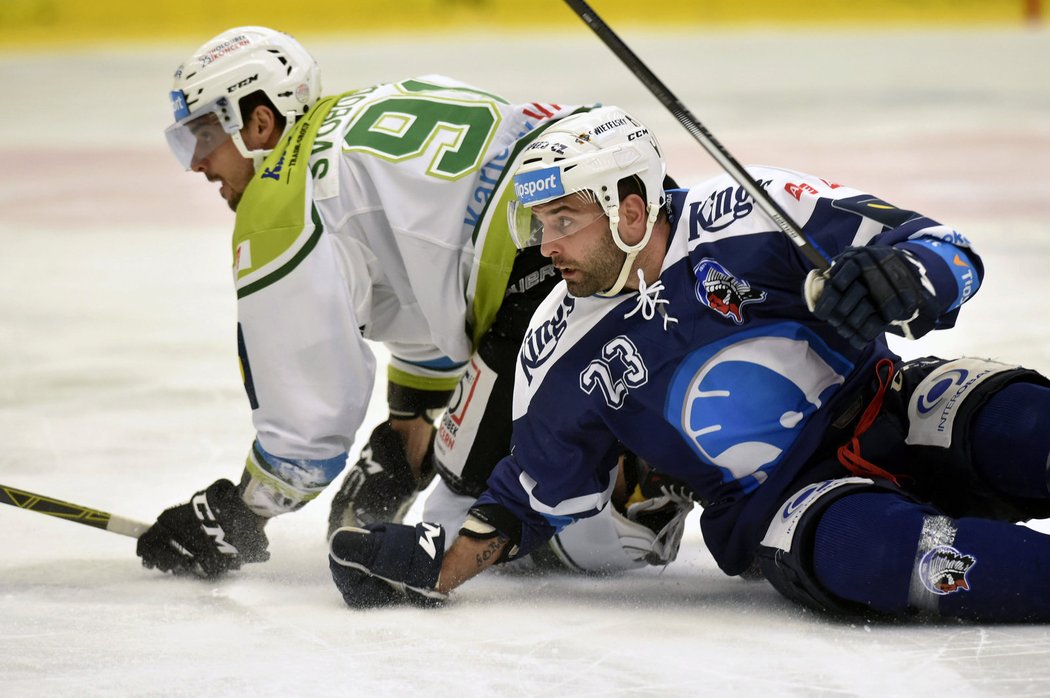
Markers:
<point>717,375</point>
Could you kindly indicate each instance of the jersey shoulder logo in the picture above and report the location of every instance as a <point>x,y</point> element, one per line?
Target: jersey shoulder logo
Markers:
<point>721,291</point>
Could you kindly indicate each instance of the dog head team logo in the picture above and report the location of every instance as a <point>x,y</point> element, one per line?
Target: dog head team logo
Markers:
<point>943,570</point>
<point>722,292</point>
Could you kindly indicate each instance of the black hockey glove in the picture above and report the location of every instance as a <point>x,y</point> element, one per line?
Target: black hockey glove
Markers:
<point>213,533</point>
<point>386,564</point>
<point>380,487</point>
<point>871,290</point>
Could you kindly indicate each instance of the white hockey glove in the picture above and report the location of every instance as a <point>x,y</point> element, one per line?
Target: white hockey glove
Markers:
<point>663,517</point>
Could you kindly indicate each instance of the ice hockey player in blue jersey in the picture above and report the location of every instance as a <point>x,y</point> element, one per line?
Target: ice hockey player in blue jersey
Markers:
<point>371,217</point>
<point>689,329</point>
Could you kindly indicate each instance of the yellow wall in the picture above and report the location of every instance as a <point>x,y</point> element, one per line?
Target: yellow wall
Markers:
<point>49,22</point>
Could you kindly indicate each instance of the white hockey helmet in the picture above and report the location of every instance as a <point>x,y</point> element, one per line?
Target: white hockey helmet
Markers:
<point>241,61</point>
<point>589,153</point>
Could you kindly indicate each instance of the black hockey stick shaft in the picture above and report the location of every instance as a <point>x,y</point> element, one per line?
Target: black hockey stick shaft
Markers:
<point>700,133</point>
<point>71,512</point>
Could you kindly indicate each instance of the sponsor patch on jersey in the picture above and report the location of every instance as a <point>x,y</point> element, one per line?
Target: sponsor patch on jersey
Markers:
<point>720,210</point>
<point>943,570</point>
<point>466,408</point>
<point>958,263</point>
<point>742,402</point>
<point>275,171</point>
<point>719,290</point>
<point>538,345</point>
<point>539,185</point>
<point>797,190</point>
<point>242,257</point>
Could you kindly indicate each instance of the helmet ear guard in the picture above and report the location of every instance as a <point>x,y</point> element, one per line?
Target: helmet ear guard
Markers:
<point>589,152</point>
<point>221,73</point>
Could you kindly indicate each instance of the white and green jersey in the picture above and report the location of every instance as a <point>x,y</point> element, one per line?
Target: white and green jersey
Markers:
<point>380,216</point>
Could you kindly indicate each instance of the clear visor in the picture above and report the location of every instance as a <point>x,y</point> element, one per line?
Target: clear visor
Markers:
<point>554,220</point>
<point>196,139</point>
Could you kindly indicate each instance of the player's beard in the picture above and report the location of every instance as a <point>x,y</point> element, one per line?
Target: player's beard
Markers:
<point>600,270</point>
<point>238,177</point>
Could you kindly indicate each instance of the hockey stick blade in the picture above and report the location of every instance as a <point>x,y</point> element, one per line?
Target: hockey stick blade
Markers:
<point>71,512</point>
<point>700,133</point>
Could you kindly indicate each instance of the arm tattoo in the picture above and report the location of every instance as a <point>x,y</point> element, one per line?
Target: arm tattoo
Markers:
<point>492,549</point>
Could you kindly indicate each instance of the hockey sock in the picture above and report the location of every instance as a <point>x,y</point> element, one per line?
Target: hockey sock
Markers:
<point>899,557</point>
<point>1011,440</point>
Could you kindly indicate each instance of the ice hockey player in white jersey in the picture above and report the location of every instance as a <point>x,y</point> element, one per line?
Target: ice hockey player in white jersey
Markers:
<point>691,330</point>
<point>377,214</point>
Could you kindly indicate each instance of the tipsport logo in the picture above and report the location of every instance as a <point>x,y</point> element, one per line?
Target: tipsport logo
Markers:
<point>741,403</point>
<point>540,185</point>
<point>178,105</point>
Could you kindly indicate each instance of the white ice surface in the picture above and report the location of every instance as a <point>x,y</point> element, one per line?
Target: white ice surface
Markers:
<point>119,385</point>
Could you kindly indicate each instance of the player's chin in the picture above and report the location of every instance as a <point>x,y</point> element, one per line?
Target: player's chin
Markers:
<point>233,200</point>
<point>581,286</point>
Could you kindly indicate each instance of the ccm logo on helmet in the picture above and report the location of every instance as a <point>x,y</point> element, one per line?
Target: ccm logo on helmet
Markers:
<point>540,185</point>
<point>242,83</point>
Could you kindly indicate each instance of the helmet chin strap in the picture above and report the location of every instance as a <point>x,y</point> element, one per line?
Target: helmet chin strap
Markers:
<point>631,250</point>
<point>257,156</point>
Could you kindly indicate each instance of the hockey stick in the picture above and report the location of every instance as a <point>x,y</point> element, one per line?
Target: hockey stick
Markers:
<point>700,133</point>
<point>71,512</point>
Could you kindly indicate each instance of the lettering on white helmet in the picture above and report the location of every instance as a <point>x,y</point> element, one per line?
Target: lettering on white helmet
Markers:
<point>242,83</point>
<point>224,49</point>
<point>608,125</point>
<point>540,185</point>
<point>178,104</point>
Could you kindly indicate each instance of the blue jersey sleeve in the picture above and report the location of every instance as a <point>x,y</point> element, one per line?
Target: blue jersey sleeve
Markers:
<point>549,480</point>
<point>952,266</point>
